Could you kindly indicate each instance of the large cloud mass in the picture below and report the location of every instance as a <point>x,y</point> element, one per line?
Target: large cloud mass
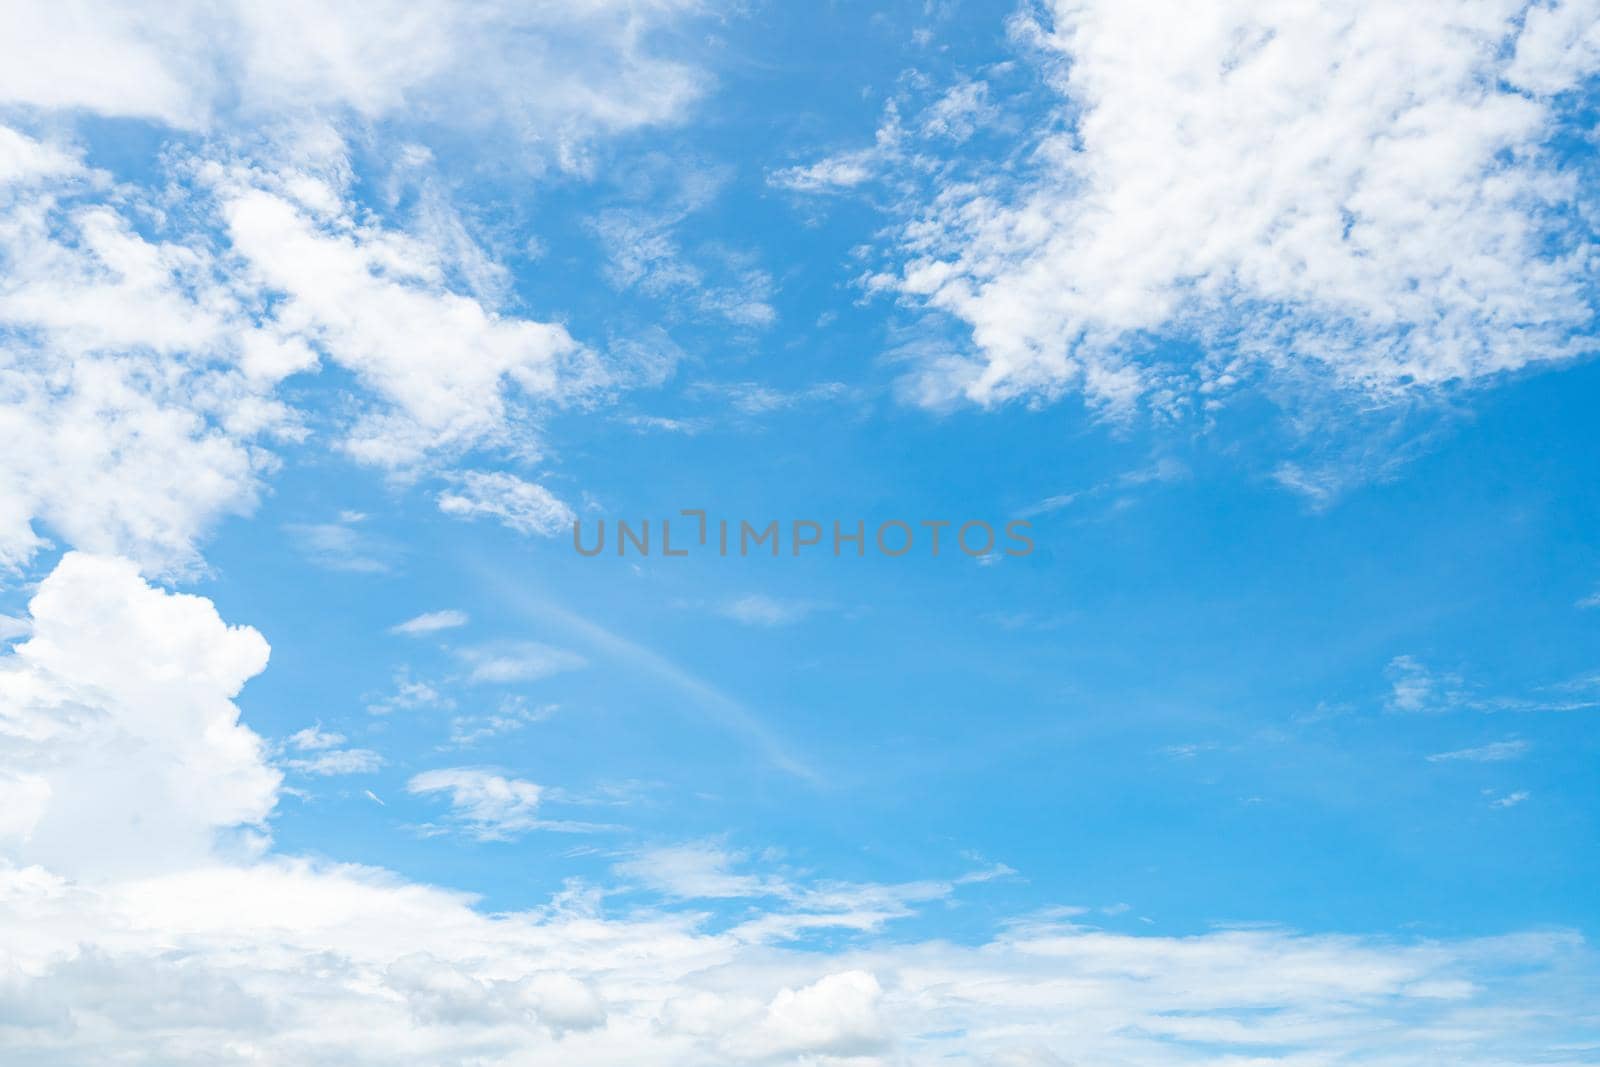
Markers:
<point>1363,187</point>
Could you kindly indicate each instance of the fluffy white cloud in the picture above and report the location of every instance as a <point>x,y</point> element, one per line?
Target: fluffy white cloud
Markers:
<point>1357,189</point>
<point>129,413</point>
<point>127,931</point>
<point>376,301</point>
<point>550,74</point>
<point>141,372</point>
<point>145,332</point>
<point>118,735</point>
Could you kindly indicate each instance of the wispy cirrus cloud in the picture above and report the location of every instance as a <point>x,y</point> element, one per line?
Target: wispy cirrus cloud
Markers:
<point>1493,752</point>
<point>506,662</point>
<point>430,622</point>
<point>483,804</point>
<point>523,506</point>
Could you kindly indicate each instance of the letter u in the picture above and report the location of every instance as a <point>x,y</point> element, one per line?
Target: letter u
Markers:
<point>577,541</point>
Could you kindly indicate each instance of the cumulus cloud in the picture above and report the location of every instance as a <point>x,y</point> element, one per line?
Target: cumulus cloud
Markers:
<point>120,746</point>
<point>1359,191</point>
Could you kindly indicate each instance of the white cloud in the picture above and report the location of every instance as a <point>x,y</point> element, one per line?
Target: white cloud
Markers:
<point>377,302</point>
<point>519,661</point>
<point>25,161</point>
<point>1494,752</point>
<point>409,694</point>
<point>550,76</point>
<point>754,609</point>
<point>121,753</point>
<point>145,332</point>
<point>141,366</point>
<point>754,398</point>
<point>1357,191</point>
<point>851,168</point>
<point>644,248</point>
<point>837,1015</point>
<point>340,546</point>
<point>431,622</point>
<point>117,715</point>
<point>488,806</point>
<point>314,739</point>
<point>512,714</point>
<point>699,870</point>
<point>338,761</point>
<point>1413,687</point>
<point>128,413</point>
<point>1510,800</point>
<point>523,506</point>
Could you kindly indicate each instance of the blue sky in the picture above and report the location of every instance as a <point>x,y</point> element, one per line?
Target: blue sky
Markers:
<point>320,330</point>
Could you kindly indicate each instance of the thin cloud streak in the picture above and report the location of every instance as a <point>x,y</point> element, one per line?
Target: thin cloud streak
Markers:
<point>720,708</point>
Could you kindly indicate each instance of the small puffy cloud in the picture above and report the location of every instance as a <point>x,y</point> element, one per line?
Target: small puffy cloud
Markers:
<point>431,622</point>
<point>314,739</point>
<point>507,662</point>
<point>484,805</point>
<point>523,506</point>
